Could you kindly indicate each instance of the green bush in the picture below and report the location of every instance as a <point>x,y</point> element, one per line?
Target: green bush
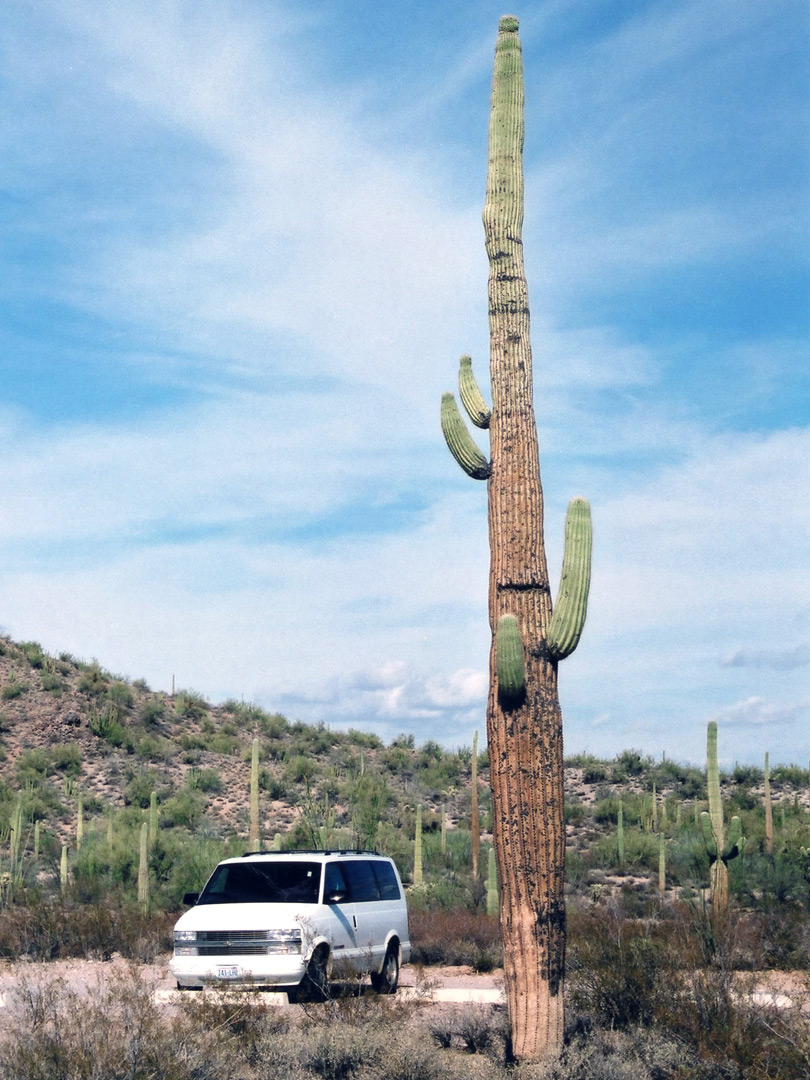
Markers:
<point>67,758</point>
<point>190,706</point>
<point>13,689</point>
<point>152,710</point>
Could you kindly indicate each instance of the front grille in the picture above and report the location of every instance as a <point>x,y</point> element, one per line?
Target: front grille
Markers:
<point>256,949</point>
<point>233,935</point>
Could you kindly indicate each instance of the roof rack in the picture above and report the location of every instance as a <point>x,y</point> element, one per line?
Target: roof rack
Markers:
<point>314,851</point>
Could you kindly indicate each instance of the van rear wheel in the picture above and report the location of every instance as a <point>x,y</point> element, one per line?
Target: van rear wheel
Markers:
<point>387,980</point>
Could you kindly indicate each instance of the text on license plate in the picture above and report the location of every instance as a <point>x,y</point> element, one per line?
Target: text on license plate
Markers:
<point>230,972</point>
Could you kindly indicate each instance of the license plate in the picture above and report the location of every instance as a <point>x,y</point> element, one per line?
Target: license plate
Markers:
<point>231,972</point>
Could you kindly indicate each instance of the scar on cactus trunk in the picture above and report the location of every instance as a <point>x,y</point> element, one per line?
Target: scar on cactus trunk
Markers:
<point>524,724</point>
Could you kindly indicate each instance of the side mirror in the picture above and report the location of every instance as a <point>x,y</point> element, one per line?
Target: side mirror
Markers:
<point>336,897</point>
<point>190,898</point>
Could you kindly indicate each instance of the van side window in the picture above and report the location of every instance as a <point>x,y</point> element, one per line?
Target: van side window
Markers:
<point>362,882</point>
<point>334,881</point>
<point>386,881</point>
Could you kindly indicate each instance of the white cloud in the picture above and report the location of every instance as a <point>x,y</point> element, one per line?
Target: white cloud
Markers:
<point>755,712</point>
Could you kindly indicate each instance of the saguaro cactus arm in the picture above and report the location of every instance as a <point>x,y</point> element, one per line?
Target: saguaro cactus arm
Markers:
<point>460,442</point>
<point>471,396</point>
<point>510,661</point>
<point>571,608</point>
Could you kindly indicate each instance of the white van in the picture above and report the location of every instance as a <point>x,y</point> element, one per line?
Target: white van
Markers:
<point>292,919</point>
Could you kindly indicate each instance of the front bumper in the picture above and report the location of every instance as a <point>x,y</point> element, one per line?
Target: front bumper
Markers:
<point>238,971</point>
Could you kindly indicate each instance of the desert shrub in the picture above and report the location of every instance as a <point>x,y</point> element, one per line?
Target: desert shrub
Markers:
<point>52,683</point>
<point>190,706</point>
<point>152,710</point>
<point>207,780</point>
<point>13,689</point>
<point>618,971</point>
<point>105,724</point>
<point>48,930</point>
<point>454,937</point>
<point>224,742</point>
<point>630,763</point>
<point>67,758</point>
<point>186,807</point>
<point>139,788</point>
<point>31,766</point>
<point>120,694</point>
<point>33,653</point>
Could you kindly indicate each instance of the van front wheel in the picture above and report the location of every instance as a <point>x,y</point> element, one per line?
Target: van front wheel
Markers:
<point>386,981</point>
<point>315,984</point>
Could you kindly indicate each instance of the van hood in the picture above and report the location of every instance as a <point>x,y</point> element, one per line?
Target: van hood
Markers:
<point>246,916</point>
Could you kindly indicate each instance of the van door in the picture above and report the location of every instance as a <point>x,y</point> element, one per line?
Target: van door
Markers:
<point>340,920</point>
<point>369,919</point>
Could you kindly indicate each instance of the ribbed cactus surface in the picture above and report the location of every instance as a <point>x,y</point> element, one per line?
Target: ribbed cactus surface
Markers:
<point>509,660</point>
<point>524,724</point>
<point>571,607</point>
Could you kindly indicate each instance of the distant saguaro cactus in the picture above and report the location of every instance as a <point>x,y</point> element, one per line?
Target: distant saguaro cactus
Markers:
<point>475,823</point>
<point>254,840</point>
<point>524,723</point>
<point>417,848</point>
<point>143,870</point>
<point>720,849</point>
<point>768,808</point>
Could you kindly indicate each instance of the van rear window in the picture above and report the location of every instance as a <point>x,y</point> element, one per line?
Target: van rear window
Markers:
<point>263,883</point>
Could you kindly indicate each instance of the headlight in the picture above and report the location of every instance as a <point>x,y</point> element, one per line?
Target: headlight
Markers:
<point>284,941</point>
<point>184,936</point>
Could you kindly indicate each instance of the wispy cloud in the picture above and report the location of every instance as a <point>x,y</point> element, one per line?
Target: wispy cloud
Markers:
<point>755,712</point>
<point>778,659</point>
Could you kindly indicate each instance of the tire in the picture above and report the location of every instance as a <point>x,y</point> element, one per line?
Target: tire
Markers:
<point>315,984</point>
<point>387,980</point>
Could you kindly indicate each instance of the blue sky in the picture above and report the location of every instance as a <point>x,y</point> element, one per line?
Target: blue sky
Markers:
<point>241,254</point>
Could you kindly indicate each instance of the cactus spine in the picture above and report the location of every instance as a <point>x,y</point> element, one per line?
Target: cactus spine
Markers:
<point>417,848</point>
<point>475,823</point>
<point>444,831</point>
<point>63,871</point>
<point>720,850</point>
<point>143,870</point>
<point>524,734</point>
<point>662,862</point>
<point>37,831</point>
<point>768,810</point>
<point>254,841</point>
<point>492,884</point>
<point>620,834</point>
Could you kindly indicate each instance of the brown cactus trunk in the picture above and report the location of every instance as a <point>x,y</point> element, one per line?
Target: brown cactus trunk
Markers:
<point>525,741</point>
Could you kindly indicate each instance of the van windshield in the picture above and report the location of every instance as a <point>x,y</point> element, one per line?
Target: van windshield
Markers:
<point>263,883</point>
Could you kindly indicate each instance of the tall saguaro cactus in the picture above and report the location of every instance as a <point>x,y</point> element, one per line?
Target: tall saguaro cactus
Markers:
<point>721,849</point>
<point>524,723</point>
